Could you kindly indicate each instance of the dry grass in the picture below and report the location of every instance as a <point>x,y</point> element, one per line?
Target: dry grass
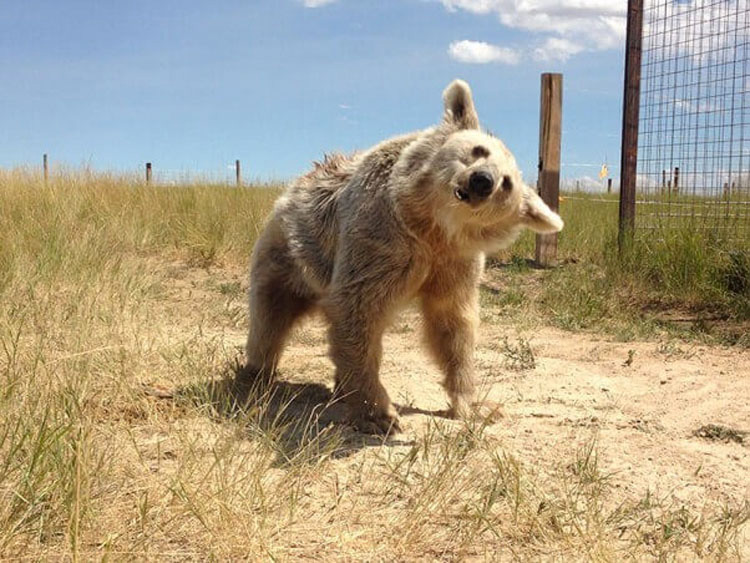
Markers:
<point>111,291</point>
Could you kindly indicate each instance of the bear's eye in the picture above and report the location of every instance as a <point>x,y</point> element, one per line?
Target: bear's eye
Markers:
<point>507,183</point>
<point>480,152</point>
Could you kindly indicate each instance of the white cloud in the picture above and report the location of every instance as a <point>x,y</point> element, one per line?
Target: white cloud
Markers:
<point>568,27</point>
<point>689,106</point>
<point>476,6</point>
<point>538,12</point>
<point>705,35</point>
<point>557,49</point>
<point>479,52</point>
<point>316,3</point>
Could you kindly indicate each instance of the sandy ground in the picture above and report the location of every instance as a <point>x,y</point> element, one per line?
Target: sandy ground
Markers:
<point>643,401</point>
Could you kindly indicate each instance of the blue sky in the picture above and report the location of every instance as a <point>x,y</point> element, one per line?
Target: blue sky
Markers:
<point>276,83</point>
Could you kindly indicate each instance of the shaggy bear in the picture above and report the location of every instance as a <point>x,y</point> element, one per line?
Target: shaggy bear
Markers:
<point>360,236</point>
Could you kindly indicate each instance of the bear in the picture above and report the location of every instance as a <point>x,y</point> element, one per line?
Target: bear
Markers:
<point>360,236</point>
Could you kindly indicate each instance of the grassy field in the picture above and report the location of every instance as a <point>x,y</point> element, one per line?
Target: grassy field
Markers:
<point>676,281</point>
<point>116,440</point>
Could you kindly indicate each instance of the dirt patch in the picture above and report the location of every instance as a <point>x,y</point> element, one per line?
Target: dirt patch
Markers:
<point>641,403</point>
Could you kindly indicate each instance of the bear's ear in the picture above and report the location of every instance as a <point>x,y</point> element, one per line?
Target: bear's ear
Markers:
<point>459,106</point>
<point>536,215</point>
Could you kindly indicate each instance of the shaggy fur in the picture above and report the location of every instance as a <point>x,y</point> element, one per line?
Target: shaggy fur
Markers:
<point>359,236</point>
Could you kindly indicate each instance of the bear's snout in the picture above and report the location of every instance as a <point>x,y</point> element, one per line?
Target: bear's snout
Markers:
<point>476,189</point>
<point>481,184</point>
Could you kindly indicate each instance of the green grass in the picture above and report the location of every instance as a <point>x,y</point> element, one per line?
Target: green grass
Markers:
<point>702,281</point>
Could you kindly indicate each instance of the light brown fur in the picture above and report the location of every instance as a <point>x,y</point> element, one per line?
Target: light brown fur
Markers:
<point>359,236</point>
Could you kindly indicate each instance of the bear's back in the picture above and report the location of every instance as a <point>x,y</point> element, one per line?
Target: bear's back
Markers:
<point>339,193</point>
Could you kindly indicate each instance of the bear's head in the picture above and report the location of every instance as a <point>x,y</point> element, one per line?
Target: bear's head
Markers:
<point>475,183</point>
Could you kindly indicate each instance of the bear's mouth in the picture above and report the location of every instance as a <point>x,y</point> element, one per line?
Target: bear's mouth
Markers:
<point>461,195</point>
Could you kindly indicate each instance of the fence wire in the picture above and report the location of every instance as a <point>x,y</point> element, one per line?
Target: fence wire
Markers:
<point>694,129</point>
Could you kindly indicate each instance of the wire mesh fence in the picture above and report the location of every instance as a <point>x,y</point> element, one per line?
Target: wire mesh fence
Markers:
<point>185,177</point>
<point>694,127</point>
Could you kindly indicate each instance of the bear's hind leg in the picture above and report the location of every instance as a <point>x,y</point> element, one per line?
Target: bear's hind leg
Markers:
<point>274,309</point>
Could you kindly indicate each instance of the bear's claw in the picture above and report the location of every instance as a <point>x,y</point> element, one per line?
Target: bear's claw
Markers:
<point>381,423</point>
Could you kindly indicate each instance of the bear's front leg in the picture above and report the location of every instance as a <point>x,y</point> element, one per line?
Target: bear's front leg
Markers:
<point>450,328</point>
<point>356,349</point>
<point>450,305</point>
<point>373,272</point>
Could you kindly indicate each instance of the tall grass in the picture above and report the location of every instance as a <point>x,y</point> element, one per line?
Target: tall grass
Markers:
<point>81,220</point>
<point>79,270</point>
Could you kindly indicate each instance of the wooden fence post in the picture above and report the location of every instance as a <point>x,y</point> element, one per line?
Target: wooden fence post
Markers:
<point>630,115</point>
<point>550,131</point>
<point>46,169</point>
<point>148,173</point>
<point>237,172</point>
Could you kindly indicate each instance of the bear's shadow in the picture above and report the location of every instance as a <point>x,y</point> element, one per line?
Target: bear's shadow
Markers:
<point>303,422</point>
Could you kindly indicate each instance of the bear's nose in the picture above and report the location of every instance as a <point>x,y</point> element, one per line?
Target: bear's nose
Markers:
<point>480,183</point>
